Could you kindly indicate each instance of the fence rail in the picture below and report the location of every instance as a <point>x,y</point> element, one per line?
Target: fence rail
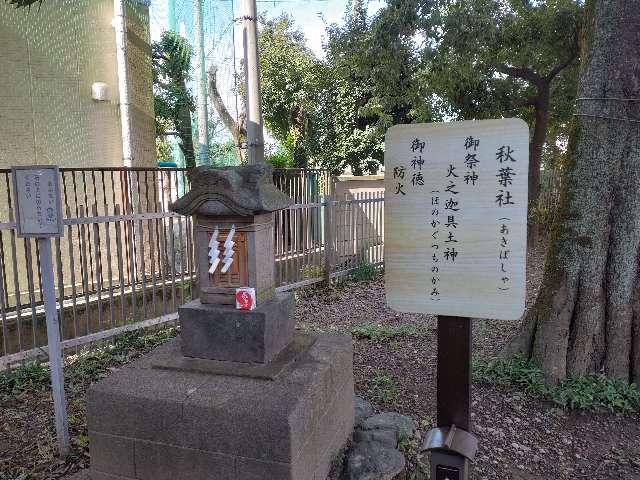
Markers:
<point>124,256</point>
<point>126,261</point>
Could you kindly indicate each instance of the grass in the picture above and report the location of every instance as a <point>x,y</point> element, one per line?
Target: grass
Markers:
<point>312,271</point>
<point>87,366</point>
<point>382,388</point>
<point>365,272</point>
<point>587,392</point>
<point>384,333</point>
<point>30,376</point>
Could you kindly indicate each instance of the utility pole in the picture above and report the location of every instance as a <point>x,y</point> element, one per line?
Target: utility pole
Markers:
<point>202,152</point>
<point>255,138</point>
<point>120,25</point>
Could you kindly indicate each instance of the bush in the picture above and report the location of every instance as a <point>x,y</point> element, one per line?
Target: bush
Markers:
<point>518,371</point>
<point>382,388</point>
<point>280,159</point>
<point>586,392</point>
<point>597,392</point>
<point>89,365</point>
<point>30,376</point>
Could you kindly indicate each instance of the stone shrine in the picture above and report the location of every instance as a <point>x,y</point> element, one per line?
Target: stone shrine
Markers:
<point>240,395</point>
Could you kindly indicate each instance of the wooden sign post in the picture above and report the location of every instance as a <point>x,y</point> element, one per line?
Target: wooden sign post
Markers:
<point>455,246</point>
<point>39,214</point>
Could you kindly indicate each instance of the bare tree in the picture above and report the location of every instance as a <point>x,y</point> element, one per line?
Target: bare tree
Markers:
<point>237,128</point>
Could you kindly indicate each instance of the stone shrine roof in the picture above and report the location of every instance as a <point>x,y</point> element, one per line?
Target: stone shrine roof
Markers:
<point>220,191</point>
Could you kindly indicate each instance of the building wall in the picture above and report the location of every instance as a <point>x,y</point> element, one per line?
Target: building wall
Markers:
<point>348,186</point>
<point>359,226</point>
<point>50,57</point>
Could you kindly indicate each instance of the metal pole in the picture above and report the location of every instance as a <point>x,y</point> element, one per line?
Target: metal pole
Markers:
<point>255,139</point>
<point>202,155</point>
<point>120,25</point>
<point>55,350</point>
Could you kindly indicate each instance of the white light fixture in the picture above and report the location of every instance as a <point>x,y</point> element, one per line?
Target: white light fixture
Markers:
<point>100,91</point>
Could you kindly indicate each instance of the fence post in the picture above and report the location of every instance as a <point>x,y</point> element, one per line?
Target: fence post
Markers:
<point>329,234</point>
<point>55,348</point>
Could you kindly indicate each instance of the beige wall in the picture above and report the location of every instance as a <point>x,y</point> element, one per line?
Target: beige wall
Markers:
<point>50,57</point>
<point>347,186</point>
<point>359,226</point>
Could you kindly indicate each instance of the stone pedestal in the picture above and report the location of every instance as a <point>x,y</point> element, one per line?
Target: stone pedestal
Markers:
<point>220,332</point>
<point>151,423</point>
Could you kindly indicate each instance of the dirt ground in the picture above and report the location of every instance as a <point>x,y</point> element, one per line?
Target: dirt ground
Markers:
<point>520,438</point>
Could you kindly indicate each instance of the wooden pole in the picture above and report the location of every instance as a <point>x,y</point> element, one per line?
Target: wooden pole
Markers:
<point>454,372</point>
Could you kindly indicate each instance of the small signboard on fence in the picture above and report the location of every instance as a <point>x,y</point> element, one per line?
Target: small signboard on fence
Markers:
<point>37,201</point>
<point>456,218</point>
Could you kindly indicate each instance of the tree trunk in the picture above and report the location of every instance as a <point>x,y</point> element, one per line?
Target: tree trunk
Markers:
<point>535,151</point>
<point>183,127</point>
<point>537,142</point>
<point>237,129</point>
<point>587,315</point>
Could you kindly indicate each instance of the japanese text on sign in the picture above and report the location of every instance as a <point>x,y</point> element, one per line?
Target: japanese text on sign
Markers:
<point>456,218</point>
<point>37,201</point>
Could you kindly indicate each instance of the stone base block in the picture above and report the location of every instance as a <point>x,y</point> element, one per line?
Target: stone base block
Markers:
<point>221,332</point>
<point>151,424</point>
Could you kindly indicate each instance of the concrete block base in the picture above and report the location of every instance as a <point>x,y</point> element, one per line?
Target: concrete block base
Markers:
<point>147,423</point>
<point>221,332</point>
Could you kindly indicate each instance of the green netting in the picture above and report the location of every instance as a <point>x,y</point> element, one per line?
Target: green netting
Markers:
<point>219,49</point>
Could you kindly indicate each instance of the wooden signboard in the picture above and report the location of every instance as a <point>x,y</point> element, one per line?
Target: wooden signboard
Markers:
<point>456,218</point>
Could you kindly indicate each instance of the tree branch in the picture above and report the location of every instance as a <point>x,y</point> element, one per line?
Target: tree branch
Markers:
<point>238,131</point>
<point>521,72</point>
<point>573,55</point>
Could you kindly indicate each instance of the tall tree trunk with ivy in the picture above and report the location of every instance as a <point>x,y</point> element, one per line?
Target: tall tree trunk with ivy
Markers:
<point>184,128</point>
<point>587,315</point>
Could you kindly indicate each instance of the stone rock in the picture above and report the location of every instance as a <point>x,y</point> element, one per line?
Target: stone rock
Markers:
<point>221,332</point>
<point>364,410</point>
<point>400,424</point>
<point>388,438</point>
<point>373,461</point>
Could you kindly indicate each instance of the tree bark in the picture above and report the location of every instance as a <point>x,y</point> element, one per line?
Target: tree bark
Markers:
<point>541,103</point>
<point>536,144</point>
<point>237,129</point>
<point>587,317</point>
<point>183,127</point>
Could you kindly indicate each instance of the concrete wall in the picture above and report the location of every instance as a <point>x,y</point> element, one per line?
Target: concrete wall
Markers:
<point>50,57</point>
<point>359,226</point>
<point>348,185</point>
